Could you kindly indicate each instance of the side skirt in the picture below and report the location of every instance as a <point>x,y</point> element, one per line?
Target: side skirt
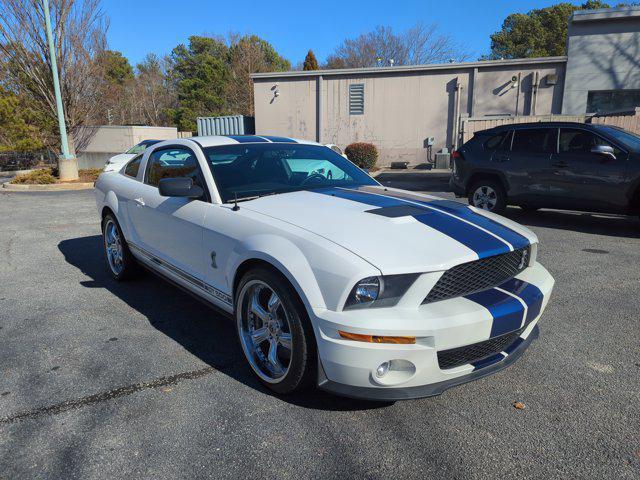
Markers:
<point>201,290</point>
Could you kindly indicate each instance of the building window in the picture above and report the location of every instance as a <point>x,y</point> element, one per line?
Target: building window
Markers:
<point>605,101</point>
<point>356,99</point>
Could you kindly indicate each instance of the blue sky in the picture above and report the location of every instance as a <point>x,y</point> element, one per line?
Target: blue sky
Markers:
<point>138,27</point>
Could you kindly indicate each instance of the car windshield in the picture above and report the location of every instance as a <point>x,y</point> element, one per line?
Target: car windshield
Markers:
<point>630,140</point>
<point>257,169</point>
<point>140,147</point>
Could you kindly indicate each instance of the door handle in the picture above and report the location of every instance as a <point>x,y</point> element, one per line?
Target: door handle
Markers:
<point>501,158</point>
<point>561,164</point>
<point>139,201</point>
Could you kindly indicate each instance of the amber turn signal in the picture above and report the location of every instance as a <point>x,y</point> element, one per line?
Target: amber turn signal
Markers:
<point>376,338</point>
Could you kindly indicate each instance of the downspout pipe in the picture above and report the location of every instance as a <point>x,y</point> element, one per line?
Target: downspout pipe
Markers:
<point>319,109</point>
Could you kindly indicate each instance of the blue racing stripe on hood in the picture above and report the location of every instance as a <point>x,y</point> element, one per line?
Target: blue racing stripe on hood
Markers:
<point>463,211</point>
<point>247,139</point>
<point>482,243</point>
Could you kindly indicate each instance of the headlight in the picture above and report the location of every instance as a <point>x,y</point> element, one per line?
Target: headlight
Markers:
<point>378,292</point>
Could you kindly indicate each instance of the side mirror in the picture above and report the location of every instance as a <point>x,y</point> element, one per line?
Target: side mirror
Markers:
<point>179,187</point>
<point>604,150</point>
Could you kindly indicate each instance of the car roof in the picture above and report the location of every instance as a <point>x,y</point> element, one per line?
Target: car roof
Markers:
<point>216,140</point>
<point>522,126</point>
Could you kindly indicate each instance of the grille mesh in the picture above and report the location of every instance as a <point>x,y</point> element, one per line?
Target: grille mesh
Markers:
<point>471,353</point>
<point>478,275</point>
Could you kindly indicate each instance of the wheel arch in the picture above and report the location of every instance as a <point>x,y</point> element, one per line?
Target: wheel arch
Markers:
<point>283,257</point>
<point>487,175</point>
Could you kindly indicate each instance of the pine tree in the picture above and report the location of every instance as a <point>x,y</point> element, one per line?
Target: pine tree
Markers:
<point>310,62</point>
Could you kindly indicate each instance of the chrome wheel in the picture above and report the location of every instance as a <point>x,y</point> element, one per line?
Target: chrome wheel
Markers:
<point>113,247</point>
<point>485,197</point>
<point>265,331</point>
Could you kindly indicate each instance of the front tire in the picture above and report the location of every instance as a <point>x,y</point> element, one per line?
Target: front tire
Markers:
<point>488,195</point>
<point>119,259</point>
<point>274,332</point>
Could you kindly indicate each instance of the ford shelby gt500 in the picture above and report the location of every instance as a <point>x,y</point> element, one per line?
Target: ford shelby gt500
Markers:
<point>332,278</point>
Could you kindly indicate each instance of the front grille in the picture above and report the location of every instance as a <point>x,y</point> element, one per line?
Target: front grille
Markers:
<point>478,351</point>
<point>478,275</point>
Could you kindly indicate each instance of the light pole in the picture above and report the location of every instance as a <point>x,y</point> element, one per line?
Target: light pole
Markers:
<point>67,163</point>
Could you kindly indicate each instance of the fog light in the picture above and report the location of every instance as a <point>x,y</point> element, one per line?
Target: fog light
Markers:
<point>382,370</point>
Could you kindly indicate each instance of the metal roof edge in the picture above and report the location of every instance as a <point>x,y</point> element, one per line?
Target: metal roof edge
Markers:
<point>412,68</point>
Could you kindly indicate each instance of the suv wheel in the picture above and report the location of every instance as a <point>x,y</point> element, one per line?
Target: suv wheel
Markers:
<point>488,195</point>
<point>274,331</point>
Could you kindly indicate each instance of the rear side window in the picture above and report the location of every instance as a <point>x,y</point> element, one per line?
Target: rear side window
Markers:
<point>131,170</point>
<point>534,140</point>
<point>495,141</point>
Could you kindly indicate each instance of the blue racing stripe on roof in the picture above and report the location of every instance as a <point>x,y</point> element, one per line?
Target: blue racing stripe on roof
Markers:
<point>247,138</point>
<point>278,139</point>
<point>483,244</point>
<point>507,312</point>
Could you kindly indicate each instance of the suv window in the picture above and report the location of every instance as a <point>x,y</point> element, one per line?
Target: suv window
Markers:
<point>133,166</point>
<point>495,141</point>
<point>534,140</point>
<point>173,163</point>
<point>575,140</point>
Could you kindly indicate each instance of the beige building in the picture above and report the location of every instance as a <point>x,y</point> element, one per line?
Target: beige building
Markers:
<point>400,108</point>
<point>99,143</point>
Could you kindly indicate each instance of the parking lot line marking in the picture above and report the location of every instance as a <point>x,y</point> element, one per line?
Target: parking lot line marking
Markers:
<point>111,394</point>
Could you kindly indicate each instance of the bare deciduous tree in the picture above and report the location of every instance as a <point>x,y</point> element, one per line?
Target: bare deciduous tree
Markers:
<point>79,28</point>
<point>153,93</point>
<point>419,44</point>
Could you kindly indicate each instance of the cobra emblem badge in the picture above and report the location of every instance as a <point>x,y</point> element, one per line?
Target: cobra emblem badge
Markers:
<point>213,260</point>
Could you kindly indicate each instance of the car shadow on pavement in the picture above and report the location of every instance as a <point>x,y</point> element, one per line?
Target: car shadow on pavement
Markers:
<point>207,333</point>
<point>583,222</point>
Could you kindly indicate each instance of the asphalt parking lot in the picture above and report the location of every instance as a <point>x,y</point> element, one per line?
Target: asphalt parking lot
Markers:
<point>139,380</point>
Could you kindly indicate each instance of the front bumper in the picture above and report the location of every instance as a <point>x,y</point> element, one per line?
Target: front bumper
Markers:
<point>349,367</point>
<point>429,390</point>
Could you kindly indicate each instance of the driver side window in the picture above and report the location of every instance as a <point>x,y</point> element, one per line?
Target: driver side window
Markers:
<point>172,163</point>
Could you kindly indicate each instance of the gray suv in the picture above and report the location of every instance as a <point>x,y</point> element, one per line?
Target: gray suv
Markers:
<point>564,165</point>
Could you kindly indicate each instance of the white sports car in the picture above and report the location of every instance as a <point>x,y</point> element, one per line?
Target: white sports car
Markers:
<point>117,161</point>
<point>366,291</point>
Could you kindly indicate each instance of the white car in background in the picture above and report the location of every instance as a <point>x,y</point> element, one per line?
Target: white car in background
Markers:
<point>117,161</point>
<point>365,291</point>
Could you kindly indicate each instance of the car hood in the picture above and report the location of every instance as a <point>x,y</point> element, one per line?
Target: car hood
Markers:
<point>395,230</point>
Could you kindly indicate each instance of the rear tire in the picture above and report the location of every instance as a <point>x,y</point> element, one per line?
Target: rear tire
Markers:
<point>488,195</point>
<point>275,333</point>
<point>120,261</point>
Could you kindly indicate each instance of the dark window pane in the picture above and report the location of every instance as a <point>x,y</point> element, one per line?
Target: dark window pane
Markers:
<point>612,100</point>
<point>535,140</point>
<point>495,141</point>
<point>580,141</point>
<point>133,166</point>
<point>172,163</point>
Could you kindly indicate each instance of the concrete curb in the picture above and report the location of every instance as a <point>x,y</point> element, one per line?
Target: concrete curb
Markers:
<point>53,187</point>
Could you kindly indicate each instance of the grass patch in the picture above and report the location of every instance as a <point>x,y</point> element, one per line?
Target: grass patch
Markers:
<point>47,176</point>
